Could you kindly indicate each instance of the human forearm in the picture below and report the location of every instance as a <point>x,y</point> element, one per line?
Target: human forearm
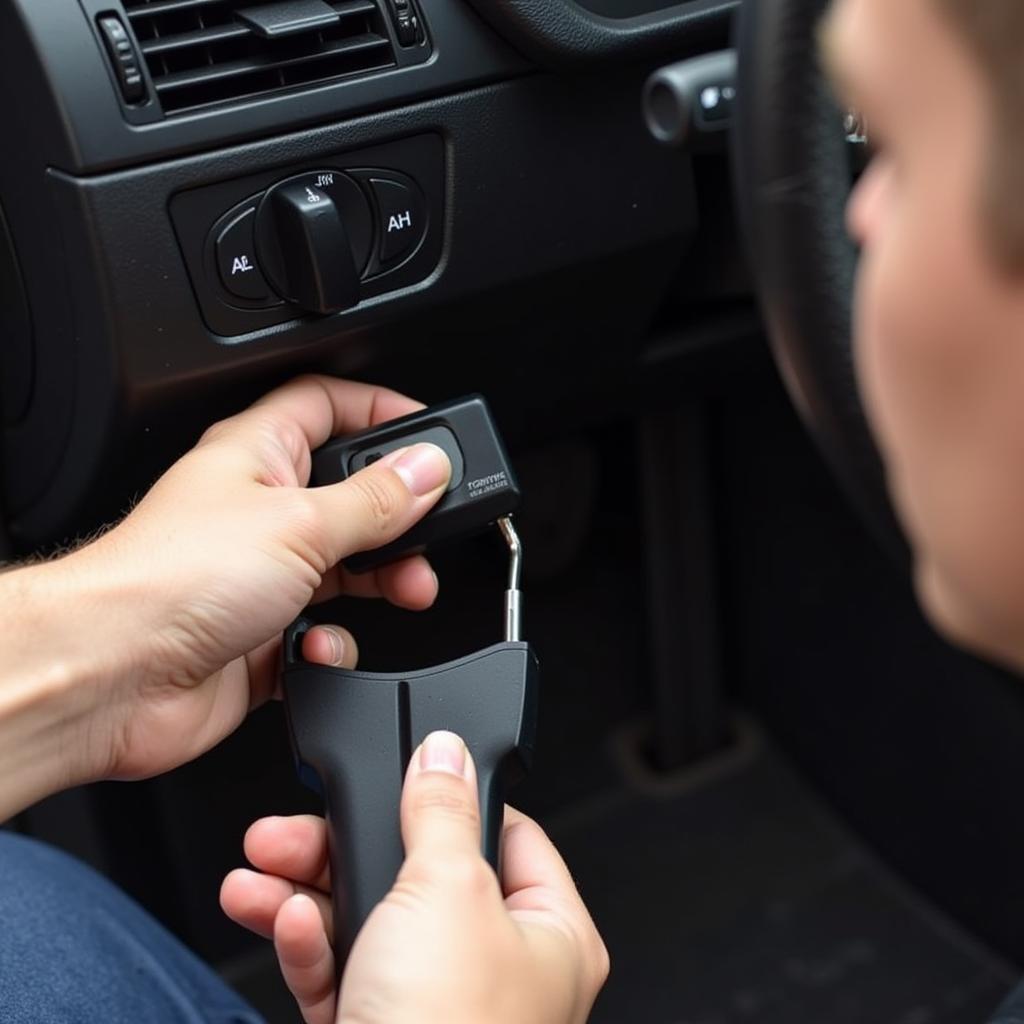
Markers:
<point>147,647</point>
<point>65,639</point>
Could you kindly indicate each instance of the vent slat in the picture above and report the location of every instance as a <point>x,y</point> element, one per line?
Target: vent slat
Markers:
<point>183,79</point>
<point>158,7</point>
<point>198,52</point>
<point>201,37</point>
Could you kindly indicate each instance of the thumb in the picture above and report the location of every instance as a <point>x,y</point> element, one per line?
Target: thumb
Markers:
<point>440,805</point>
<point>379,503</point>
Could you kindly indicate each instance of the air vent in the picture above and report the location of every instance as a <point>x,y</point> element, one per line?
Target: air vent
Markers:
<point>201,52</point>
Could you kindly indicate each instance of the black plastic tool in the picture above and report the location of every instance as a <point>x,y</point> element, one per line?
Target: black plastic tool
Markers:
<point>353,732</point>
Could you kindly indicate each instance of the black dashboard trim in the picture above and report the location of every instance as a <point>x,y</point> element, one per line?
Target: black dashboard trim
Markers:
<point>60,50</point>
<point>564,34</point>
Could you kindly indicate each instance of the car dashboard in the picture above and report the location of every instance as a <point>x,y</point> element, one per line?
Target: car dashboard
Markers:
<point>182,176</point>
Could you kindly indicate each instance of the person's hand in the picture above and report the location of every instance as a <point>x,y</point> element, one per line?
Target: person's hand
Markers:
<point>448,943</point>
<point>228,548</point>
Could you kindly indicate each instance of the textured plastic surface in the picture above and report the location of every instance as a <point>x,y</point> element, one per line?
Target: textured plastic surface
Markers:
<point>485,486</point>
<point>353,733</point>
<point>561,33</point>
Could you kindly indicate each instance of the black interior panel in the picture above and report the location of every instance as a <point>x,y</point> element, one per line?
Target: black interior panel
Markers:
<point>542,176</point>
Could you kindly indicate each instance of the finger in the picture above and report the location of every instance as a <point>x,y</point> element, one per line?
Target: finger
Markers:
<point>409,583</point>
<point>262,669</point>
<point>294,847</point>
<point>330,645</point>
<point>253,900</point>
<point>539,888</point>
<point>306,959</point>
<point>305,413</point>
<point>323,406</point>
<point>322,645</point>
<point>379,503</point>
<point>440,807</point>
<point>339,582</point>
<point>530,862</point>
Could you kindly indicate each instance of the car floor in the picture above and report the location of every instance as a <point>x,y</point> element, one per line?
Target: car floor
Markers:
<point>731,893</point>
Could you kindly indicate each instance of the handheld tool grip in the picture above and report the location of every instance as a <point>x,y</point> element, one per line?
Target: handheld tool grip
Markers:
<point>354,732</point>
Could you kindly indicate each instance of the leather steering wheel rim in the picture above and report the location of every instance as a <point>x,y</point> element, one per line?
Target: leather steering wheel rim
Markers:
<point>792,180</point>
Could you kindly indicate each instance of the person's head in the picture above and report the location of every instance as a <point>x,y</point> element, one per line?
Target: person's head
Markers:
<point>939,324</point>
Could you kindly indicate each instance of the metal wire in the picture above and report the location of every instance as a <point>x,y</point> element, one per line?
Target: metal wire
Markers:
<point>513,596</point>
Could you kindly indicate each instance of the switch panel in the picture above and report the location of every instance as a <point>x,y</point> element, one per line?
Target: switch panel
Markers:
<point>313,242</point>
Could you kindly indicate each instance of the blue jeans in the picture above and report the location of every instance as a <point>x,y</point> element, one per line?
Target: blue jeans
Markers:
<point>76,950</point>
<point>1012,1011</point>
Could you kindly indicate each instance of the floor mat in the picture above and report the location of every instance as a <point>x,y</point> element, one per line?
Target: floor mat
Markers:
<point>733,895</point>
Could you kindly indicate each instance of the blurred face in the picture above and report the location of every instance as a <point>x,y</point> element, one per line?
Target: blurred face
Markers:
<point>939,327</point>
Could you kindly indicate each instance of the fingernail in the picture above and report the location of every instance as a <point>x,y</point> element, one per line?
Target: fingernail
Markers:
<point>443,752</point>
<point>423,468</point>
<point>300,899</point>
<point>337,645</point>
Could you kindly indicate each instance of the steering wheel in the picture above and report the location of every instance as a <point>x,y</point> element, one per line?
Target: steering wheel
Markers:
<point>793,177</point>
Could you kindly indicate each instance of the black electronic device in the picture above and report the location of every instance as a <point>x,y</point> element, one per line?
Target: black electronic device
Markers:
<point>482,490</point>
<point>353,732</point>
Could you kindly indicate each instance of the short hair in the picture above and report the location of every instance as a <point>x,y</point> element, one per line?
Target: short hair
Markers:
<point>994,32</point>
